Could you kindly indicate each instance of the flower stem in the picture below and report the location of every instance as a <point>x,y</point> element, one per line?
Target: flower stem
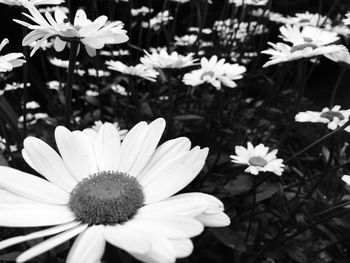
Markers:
<point>72,58</point>
<point>336,86</point>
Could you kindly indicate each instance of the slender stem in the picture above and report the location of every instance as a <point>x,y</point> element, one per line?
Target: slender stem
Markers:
<point>323,138</point>
<point>336,86</point>
<point>252,213</point>
<point>25,80</point>
<point>172,99</point>
<point>72,58</point>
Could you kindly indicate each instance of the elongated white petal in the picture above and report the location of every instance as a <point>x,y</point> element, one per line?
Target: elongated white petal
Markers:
<point>107,148</point>
<point>50,243</point>
<point>155,131</point>
<point>76,153</point>
<point>214,220</point>
<point>162,251</point>
<point>128,238</point>
<point>170,226</point>
<point>131,146</point>
<point>31,214</point>
<point>43,233</point>
<point>48,163</point>
<point>32,187</point>
<point>88,247</point>
<point>183,247</point>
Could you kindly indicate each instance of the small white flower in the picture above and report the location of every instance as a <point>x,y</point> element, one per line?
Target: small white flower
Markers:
<point>249,2</point>
<point>32,105</point>
<point>308,19</point>
<point>258,159</point>
<point>139,70</point>
<point>92,34</point>
<point>141,11</point>
<point>53,84</point>
<point>161,19</point>
<point>60,62</point>
<point>215,72</point>
<point>43,45</point>
<point>334,117</point>
<point>186,40</point>
<point>346,179</point>
<point>15,86</point>
<point>118,89</point>
<point>98,124</point>
<point>11,60</point>
<point>281,52</point>
<point>162,59</point>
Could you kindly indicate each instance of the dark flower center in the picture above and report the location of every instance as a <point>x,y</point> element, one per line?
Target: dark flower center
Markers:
<point>106,198</point>
<point>257,161</point>
<point>304,20</point>
<point>303,46</point>
<point>330,115</point>
<point>207,75</point>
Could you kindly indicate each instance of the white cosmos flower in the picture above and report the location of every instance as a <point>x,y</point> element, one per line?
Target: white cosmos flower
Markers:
<point>34,2</point>
<point>92,34</point>
<point>139,70</point>
<point>334,117</point>
<point>11,60</point>
<point>216,72</point>
<point>107,191</point>
<point>281,52</point>
<point>258,159</point>
<point>162,59</point>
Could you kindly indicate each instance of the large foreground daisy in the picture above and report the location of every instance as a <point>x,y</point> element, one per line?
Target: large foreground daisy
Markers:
<point>103,190</point>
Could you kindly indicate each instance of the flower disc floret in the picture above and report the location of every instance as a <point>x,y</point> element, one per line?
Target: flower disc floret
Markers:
<point>106,198</point>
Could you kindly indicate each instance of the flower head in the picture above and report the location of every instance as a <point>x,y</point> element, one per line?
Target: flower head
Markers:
<point>139,70</point>
<point>162,59</point>
<point>92,34</point>
<point>308,19</point>
<point>215,72</point>
<point>334,117</point>
<point>34,2</point>
<point>11,60</point>
<point>249,2</point>
<point>107,191</point>
<point>258,159</point>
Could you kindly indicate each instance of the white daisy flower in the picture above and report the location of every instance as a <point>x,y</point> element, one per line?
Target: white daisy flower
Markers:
<point>346,20</point>
<point>34,2</point>
<point>61,63</point>
<point>281,52</point>
<point>11,60</point>
<point>107,191</point>
<point>139,70</point>
<point>186,40</point>
<point>98,125</point>
<point>334,117</point>
<point>92,34</point>
<point>162,59</point>
<point>215,72</point>
<point>32,105</point>
<point>307,37</point>
<point>341,57</point>
<point>161,19</point>
<point>144,10</point>
<point>308,19</point>
<point>249,2</point>
<point>258,159</point>
<point>117,88</point>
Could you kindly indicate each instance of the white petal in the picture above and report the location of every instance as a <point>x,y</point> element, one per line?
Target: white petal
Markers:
<point>50,243</point>
<point>155,131</point>
<point>164,153</point>
<point>42,233</point>
<point>128,238</point>
<point>173,177</point>
<point>32,187</point>
<point>170,226</point>
<point>88,247</point>
<point>76,152</point>
<point>59,44</point>
<point>131,146</point>
<point>183,247</point>
<point>162,251</point>
<point>48,163</point>
<point>107,148</point>
<point>31,214</point>
<point>215,220</point>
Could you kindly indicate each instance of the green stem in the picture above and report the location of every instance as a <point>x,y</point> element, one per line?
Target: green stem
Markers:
<point>72,58</point>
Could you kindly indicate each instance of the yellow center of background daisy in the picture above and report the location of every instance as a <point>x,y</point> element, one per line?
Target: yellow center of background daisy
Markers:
<point>257,161</point>
<point>106,198</point>
<point>330,115</point>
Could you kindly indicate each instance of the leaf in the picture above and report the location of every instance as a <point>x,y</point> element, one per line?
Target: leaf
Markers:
<point>3,161</point>
<point>239,185</point>
<point>265,191</point>
<point>229,238</point>
<point>10,257</point>
<point>188,117</point>
<point>296,254</point>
